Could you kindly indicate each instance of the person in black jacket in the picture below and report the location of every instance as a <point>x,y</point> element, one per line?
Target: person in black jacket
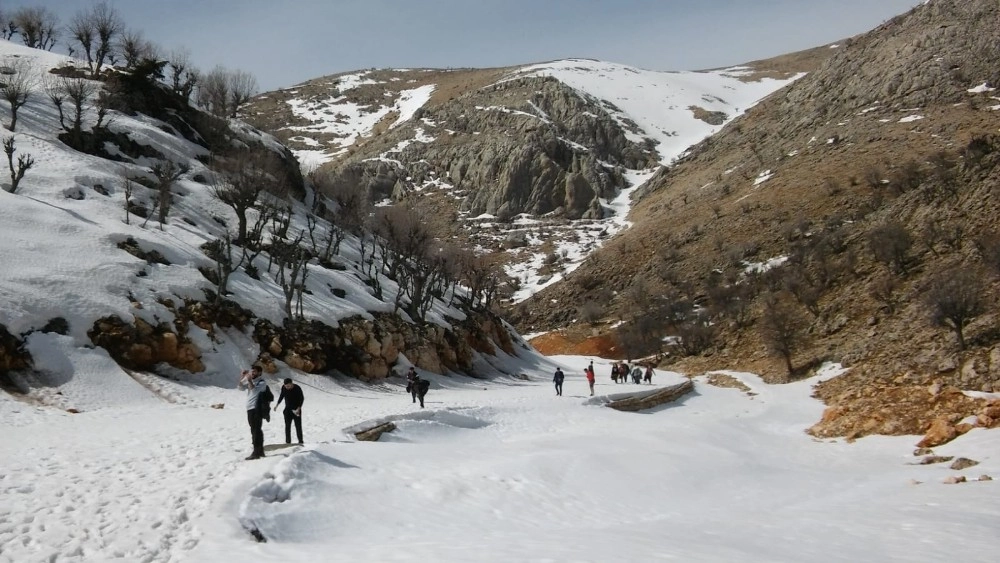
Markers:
<point>411,383</point>
<point>421,385</point>
<point>558,379</point>
<point>292,395</point>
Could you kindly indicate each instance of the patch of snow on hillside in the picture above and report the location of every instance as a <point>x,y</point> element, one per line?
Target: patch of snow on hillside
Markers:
<point>410,101</point>
<point>982,88</point>
<point>911,118</point>
<point>658,102</point>
<point>763,177</point>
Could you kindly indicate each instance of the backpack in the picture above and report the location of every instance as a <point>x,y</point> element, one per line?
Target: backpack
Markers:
<point>264,403</point>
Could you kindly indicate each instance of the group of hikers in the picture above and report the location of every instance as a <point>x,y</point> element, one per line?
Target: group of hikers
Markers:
<point>620,372</point>
<point>259,398</point>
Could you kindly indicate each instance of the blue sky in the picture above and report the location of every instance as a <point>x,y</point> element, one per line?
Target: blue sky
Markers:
<point>289,41</point>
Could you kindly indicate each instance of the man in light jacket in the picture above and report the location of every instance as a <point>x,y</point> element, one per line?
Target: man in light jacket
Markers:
<point>255,385</point>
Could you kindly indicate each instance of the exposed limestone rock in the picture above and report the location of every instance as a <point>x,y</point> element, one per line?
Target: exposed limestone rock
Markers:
<point>940,432</point>
<point>13,356</point>
<point>528,145</point>
<point>963,463</point>
<point>367,348</point>
<point>140,346</point>
<point>954,480</point>
<point>374,433</point>
<point>650,399</point>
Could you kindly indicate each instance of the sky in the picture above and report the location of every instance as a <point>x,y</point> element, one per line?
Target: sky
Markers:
<point>284,43</point>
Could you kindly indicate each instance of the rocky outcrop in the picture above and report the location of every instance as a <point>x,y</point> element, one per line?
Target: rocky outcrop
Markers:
<point>13,356</point>
<point>374,433</point>
<point>650,399</point>
<point>368,348</point>
<point>528,145</point>
<point>141,346</point>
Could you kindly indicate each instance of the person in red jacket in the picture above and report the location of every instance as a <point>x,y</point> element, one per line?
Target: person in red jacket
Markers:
<point>589,370</point>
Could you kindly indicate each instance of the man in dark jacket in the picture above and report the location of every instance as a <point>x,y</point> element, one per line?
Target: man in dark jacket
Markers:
<point>421,385</point>
<point>257,407</point>
<point>558,379</point>
<point>292,395</point>
<point>411,383</point>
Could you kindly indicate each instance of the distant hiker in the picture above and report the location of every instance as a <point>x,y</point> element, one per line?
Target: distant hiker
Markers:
<point>614,372</point>
<point>292,395</point>
<point>421,386</point>
<point>637,375</point>
<point>589,371</point>
<point>411,383</point>
<point>257,407</point>
<point>648,376</point>
<point>558,379</point>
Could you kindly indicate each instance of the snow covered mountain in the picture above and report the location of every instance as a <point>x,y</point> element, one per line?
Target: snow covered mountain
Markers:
<point>537,162</point>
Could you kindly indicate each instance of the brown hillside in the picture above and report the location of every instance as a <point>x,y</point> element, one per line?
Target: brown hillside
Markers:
<point>892,138</point>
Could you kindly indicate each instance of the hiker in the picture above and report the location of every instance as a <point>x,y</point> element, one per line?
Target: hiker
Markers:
<point>637,375</point>
<point>292,395</point>
<point>558,379</point>
<point>614,372</point>
<point>258,407</point>
<point>411,383</point>
<point>420,387</point>
<point>648,377</point>
<point>590,377</point>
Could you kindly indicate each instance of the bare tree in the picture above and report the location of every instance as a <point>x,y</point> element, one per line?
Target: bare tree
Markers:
<point>39,27</point>
<point>213,92</point>
<point>242,87</point>
<point>24,162</point>
<point>96,31</point>
<point>954,299</point>
<point>885,290</point>
<point>18,82</point>
<point>166,173</point>
<point>891,243</point>
<point>781,328</point>
<point>221,252</point>
<point>988,245</point>
<point>135,49</point>
<point>7,26</point>
<point>128,187</point>
<point>239,184</point>
<point>182,75</point>
<point>78,93</point>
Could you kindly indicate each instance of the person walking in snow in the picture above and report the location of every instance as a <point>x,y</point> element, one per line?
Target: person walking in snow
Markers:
<point>293,397</point>
<point>257,407</point>
<point>421,386</point>
<point>614,372</point>
<point>411,383</point>
<point>589,370</point>
<point>648,376</point>
<point>558,379</point>
<point>637,375</point>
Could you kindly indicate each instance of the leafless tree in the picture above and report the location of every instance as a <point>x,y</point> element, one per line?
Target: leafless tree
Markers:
<point>891,243</point>
<point>242,87</point>
<point>781,328</point>
<point>135,49</point>
<point>885,290</point>
<point>955,298</point>
<point>18,82</point>
<point>128,187</point>
<point>988,245</point>
<point>39,28</point>
<point>239,183</point>
<point>78,93</point>
<point>166,174</point>
<point>182,75</point>
<point>97,31</point>
<point>24,162</point>
<point>7,26</point>
<point>292,261</point>
<point>213,92</point>
<point>221,252</point>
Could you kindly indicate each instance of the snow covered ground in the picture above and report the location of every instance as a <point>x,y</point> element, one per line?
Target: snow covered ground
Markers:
<point>489,471</point>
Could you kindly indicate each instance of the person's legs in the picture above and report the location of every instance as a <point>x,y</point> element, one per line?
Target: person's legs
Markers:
<point>298,427</point>
<point>421,396</point>
<point>289,416</point>
<point>256,433</point>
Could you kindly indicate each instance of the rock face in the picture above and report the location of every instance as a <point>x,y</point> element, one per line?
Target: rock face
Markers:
<point>368,348</point>
<point>527,145</point>
<point>140,346</point>
<point>650,399</point>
